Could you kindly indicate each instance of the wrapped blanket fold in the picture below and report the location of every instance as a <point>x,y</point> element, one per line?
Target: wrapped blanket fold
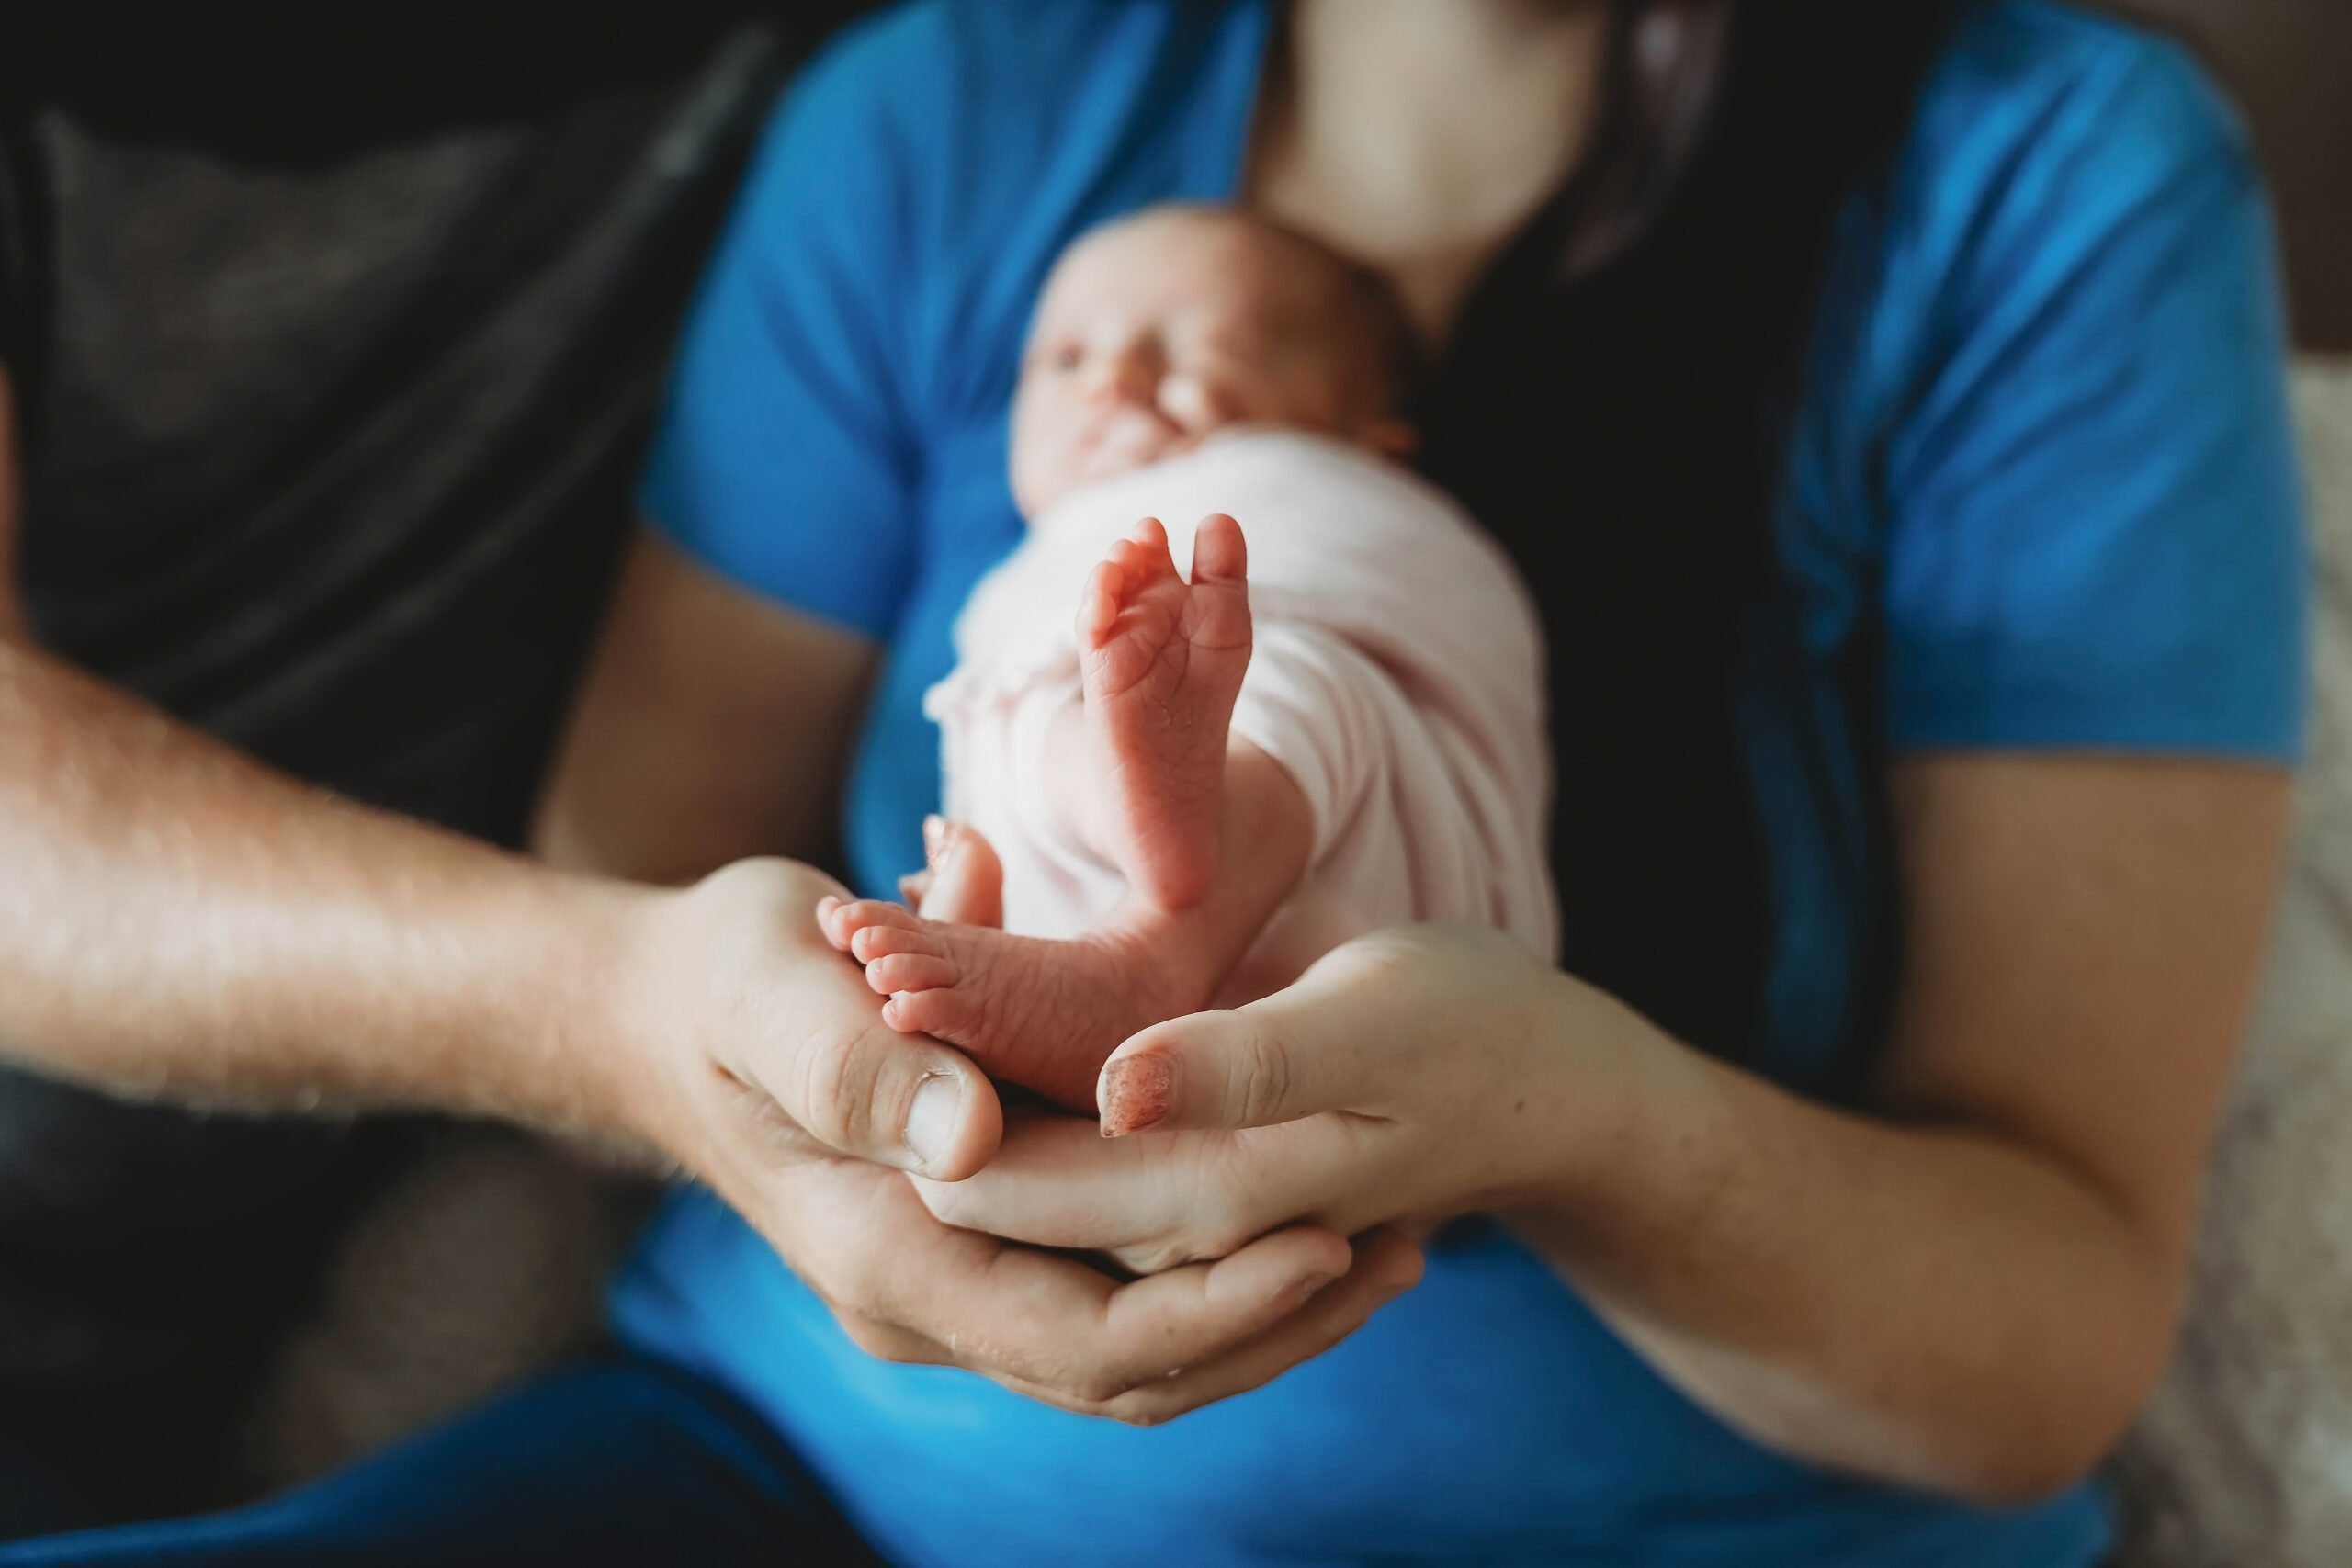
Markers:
<point>1396,674</point>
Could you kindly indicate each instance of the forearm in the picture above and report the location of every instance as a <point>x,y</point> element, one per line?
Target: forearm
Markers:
<point>177,922</point>
<point>1930,1304</point>
<point>711,726</point>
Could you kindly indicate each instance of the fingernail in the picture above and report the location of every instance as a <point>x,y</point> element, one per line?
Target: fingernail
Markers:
<point>1136,1092</point>
<point>932,1119</point>
<point>1312,1286</point>
<point>934,840</point>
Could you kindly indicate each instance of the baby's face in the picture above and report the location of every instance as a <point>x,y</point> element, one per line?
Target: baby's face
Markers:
<point>1159,331</point>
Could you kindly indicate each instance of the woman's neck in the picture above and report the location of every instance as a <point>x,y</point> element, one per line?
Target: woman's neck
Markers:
<point>1420,134</point>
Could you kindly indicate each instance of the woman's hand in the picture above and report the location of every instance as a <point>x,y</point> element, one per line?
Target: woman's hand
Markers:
<point>1410,1075</point>
<point>762,1065</point>
<point>1968,1288</point>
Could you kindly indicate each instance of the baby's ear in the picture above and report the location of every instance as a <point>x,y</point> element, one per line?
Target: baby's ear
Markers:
<point>1392,438</point>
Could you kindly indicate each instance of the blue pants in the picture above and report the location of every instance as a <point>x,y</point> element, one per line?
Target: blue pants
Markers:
<point>620,1463</point>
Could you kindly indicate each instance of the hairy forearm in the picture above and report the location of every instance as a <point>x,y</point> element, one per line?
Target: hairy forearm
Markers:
<point>1935,1305</point>
<point>177,922</point>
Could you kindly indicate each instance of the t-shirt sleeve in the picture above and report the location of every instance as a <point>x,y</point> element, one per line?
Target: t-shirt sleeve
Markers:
<point>786,460</point>
<point>2095,536</point>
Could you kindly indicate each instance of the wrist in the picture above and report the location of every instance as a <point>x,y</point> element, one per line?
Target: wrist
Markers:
<point>599,1069</point>
<point>1600,1079</point>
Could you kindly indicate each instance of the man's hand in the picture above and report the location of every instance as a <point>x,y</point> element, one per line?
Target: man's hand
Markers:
<point>756,1040</point>
<point>767,1070</point>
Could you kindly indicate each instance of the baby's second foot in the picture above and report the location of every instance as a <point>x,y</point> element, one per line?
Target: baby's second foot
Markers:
<point>1163,662</point>
<point>1038,1012</point>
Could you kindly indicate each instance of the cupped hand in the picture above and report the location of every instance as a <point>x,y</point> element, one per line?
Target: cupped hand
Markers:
<point>767,1071</point>
<point>910,1289</point>
<point>1407,1076</point>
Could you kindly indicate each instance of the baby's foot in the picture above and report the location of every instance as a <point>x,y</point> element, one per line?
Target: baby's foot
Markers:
<point>1037,1013</point>
<point>1164,663</point>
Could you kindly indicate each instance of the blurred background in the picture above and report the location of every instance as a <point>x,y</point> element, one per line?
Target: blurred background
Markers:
<point>2289,64</point>
<point>195,197</point>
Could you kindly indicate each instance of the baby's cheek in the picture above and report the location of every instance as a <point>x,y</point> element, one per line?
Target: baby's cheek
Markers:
<point>1041,463</point>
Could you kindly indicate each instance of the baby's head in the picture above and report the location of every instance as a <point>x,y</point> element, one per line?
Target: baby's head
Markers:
<point>1156,330</point>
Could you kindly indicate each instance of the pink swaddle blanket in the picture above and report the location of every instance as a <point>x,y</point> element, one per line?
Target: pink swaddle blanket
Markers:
<point>1396,674</point>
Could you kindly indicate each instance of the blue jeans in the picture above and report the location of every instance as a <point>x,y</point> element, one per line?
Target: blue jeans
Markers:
<point>624,1461</point>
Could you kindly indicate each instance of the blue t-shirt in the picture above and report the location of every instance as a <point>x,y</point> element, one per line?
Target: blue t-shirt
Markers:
<point>2042,459</point>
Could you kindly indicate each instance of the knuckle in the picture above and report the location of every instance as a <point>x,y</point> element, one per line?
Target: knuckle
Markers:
<point>836,1085</point>
<point>1388,956</point>
<point>1265,1077</point>
<point>1101,1388</point>
<point>1225,1229</point>
<point>1087,1381</point>
<point>1225,1237</point>
<point>949,1202</point>
<point>1143,1407</point>
<point>1224,1214</point>
<point>1155,1256</point>
<point>875,1340</point>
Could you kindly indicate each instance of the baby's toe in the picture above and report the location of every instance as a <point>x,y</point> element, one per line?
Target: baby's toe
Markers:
<point>911,972</point>
<point>1098,607</point>
<point>845,920</point>
<point>870,943</point>
<point>943,1012</point>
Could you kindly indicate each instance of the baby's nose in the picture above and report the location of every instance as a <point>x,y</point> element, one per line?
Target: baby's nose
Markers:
<point>1129,373</point>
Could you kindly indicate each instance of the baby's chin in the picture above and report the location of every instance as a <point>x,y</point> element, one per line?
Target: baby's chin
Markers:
<point>1099,462</point>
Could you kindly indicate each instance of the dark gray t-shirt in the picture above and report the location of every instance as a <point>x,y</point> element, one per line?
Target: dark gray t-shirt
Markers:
<point>334,379</point>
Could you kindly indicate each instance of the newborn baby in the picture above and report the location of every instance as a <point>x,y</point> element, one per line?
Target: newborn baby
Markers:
<point>1217,776</point>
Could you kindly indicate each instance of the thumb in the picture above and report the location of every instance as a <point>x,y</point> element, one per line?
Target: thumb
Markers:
<point>1287,1056</point>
